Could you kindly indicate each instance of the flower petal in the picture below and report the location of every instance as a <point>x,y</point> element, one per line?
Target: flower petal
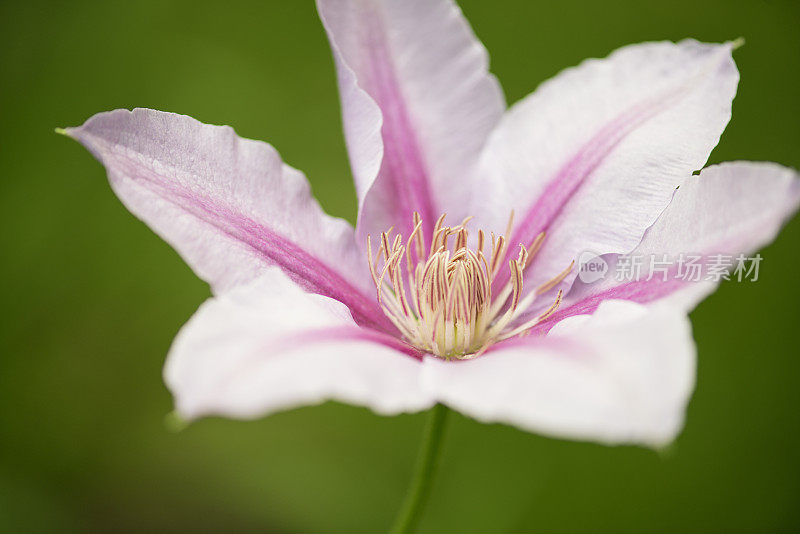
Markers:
<point>417,104</point>
<point>593,156</point>
<point>229,205</point>
<point>623,375</point>
<point>729,209</point>
<point>268,346</point>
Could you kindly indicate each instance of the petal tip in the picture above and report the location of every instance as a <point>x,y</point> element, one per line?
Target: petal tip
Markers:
<point>175,422</point>
<point>63,131</point>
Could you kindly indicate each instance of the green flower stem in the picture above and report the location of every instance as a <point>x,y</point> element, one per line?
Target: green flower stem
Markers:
<point>411,511</point>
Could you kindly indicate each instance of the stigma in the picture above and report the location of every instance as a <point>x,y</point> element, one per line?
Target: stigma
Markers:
<point>442,297</point>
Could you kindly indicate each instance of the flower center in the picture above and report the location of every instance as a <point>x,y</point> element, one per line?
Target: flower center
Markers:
<point>441,298</point>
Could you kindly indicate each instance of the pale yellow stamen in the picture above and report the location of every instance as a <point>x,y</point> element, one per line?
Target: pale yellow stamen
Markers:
<point>447,307</point>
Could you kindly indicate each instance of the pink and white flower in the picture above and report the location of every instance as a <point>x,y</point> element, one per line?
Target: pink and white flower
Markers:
<point>485,316</point>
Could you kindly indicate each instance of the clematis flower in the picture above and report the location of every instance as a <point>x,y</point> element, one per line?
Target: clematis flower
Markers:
<point>458,283</point>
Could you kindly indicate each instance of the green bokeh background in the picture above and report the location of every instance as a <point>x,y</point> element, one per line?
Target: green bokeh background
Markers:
<point>92,298</point>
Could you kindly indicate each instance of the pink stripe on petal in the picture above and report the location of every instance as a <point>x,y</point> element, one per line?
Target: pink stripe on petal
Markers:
<point>577,170</point>
<point>308,272</point>
<point>728,210</point>
<point>402,171</point>
<point>351,333</point>
<point>268,345</point>
<point>640,291</point>
<point>418,104</point>
<point>592,157</point>
<point>229,206</point>
<point>303,268</point>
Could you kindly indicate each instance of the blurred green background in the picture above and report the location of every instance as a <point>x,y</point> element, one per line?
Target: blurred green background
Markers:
<point>92,298</point>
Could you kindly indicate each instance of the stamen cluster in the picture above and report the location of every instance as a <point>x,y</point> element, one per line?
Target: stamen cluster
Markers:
<point>441,297</point>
